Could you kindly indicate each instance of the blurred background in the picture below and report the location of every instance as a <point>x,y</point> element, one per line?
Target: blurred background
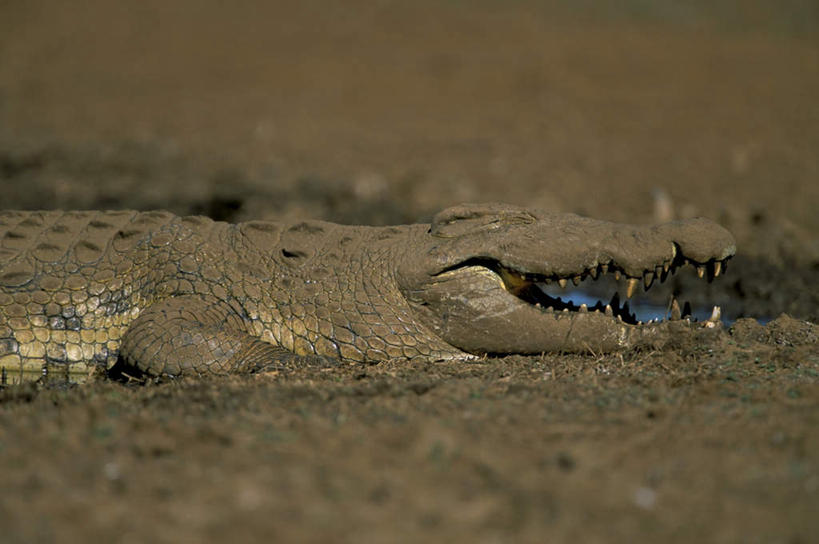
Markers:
<point>385,112</point>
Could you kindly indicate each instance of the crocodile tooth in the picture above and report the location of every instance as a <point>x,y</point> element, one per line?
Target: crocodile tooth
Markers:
<point>563,282</point>
<point>648,279</point>
<point>576,280</point>
<point>663,272</point>
<point>617,275</point>
<point>717,268</point>
<point>593,272</point>
<point>609,311</point>
<point>565,310</point>
<point>700,271</point>
<point>604,268</point>
<point>673,250</point>
<point>716,314</point>
<point>666,267</point>
<point>584,308</point>
<point>675,310</point>
<point>631,287</point>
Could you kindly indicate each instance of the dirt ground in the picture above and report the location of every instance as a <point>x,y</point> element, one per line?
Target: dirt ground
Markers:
<point>380,112</point>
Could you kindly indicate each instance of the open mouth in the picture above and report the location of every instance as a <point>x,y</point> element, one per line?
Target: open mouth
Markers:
<point>590,290</point>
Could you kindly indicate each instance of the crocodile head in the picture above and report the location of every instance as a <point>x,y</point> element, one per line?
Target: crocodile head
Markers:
<point>477,285</point>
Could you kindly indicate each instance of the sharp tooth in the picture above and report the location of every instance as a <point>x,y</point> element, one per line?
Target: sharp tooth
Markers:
<point>662,272</point>
<point>631,287</point>
<point>716,314</point>
<point>593,272</point>
<point>617,275</point>
<point>673,250</point>
<point>604,268</point>
<point>584,308</point>
<point>675,310</point>
<point>717,268</point>
<point>666,267</point>
<point>609,311</point>
<point>565,310</point>
<point>648,279</point>
<point>576,280</point>
<point>700,271</point>
<point>537,304</point>
<point>563,282</point>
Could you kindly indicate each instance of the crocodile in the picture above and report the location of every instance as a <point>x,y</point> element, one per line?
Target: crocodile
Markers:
<point>177,296</point>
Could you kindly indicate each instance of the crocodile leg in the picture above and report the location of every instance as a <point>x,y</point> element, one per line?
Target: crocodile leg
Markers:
<point>188,335</point>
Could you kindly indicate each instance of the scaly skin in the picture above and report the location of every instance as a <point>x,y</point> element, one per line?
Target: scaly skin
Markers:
<point>189,296</point>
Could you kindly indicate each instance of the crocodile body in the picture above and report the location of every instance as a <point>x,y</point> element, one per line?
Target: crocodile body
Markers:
<point>179,296</point>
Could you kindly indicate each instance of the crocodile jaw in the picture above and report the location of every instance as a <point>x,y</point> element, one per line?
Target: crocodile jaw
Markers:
<point>473,309</point>
<point>479,292</point>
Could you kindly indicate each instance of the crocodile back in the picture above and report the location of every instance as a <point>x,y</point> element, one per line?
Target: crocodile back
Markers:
<point>32,240</point>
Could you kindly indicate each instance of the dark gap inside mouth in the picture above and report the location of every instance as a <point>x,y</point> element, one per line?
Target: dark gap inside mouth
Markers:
<point>558,300</point>
<point>643,306</point>
<point>653,304</point>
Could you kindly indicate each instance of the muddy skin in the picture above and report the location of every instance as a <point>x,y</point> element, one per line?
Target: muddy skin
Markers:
<point>189,296</point>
